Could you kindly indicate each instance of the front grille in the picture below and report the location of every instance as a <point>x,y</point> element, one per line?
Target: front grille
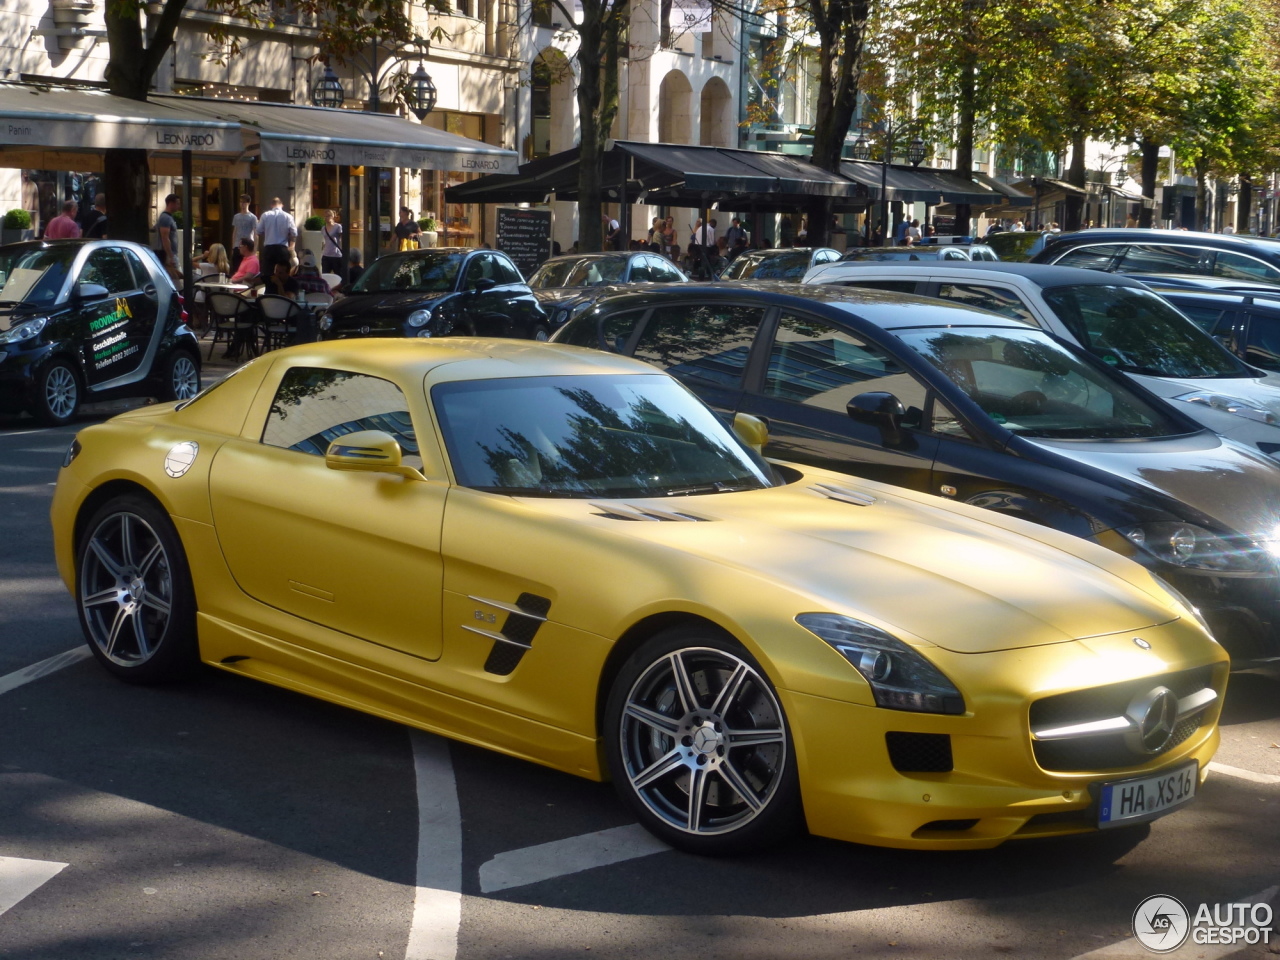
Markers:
<point>919,752</point>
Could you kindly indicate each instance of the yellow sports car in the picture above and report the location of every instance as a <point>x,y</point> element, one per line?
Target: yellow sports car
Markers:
<point>562,555</point>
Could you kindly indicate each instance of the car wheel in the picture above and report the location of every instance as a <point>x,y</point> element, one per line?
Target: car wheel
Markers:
<point>698,745</point>
<point>57,398</point>
<point>134,595</point>
<point>540,333</point>
<point>180,378</point>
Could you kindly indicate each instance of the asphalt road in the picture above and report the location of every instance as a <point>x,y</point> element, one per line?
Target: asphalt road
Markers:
<point>228,819</point>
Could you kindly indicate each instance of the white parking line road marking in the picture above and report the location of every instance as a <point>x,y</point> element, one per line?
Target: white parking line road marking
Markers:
<point>437,905</point>
<point>1239,773</point>
<point>1131,949</point>
<point>21,878</point>
<point>515,868</point>
<point>12,681</point>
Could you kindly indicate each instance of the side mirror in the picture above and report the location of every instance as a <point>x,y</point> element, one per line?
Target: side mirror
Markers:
<point>879,409</point>
<point>751,430</point>
<point>368,451</point>
<point>483,284</point>
<point>90,291</point>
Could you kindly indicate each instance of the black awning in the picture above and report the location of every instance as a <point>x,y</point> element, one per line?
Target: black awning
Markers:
<point>919,184</point>
<point>671,174</point>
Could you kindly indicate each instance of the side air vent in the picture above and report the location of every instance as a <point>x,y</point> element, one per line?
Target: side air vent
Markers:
<point>631,511</point>
<point>515,637</point>
<point>844,494</point>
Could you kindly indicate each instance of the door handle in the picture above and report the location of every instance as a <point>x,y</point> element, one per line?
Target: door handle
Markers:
<point>149,291</point>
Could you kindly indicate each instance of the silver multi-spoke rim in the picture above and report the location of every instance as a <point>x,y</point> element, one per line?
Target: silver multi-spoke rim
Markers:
<point>126,589</point>
<point>703,740</point>
<point>541,335</point>
<point>186,379</point>
<point>60,392</point>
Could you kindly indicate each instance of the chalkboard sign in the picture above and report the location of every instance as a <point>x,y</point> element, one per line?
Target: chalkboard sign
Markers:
<point>524,236</point>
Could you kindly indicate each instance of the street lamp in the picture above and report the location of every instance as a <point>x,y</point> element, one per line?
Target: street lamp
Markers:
<point>328,90</point>
<point>420,94</point>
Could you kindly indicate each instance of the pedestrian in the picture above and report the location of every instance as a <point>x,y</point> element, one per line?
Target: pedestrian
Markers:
<point>901,229</point>
<point>407,231</point>
<point>166,237</point>
<point>243,225</point>
<point>250,268</point>
<point>64,226</point>
<point>355,269</point>
<point>655,235</point>
<point>668,235</point>
<point>913,231</point>
<point>1054,227</point>
<point>331,252</point>
<point>735,233</point>
<point>1018,227</point>
<point>277,234</point>
<point>930,230</point>
<point>95,221</point>
<point>803,234</point>
<point>612,232</point>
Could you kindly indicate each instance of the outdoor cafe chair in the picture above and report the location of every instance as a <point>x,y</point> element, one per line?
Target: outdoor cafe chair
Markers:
<point>280,317</point>
<point>234,321</point>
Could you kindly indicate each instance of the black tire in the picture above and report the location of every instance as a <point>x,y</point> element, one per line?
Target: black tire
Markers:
<point>179,376</point>
<point>677,750</point>
<point>58,394</point>
<point>540,332</point>
<point>134,594</point>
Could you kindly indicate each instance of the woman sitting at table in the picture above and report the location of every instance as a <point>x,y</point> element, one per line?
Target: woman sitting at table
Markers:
<point>217,255</point>
<point>249,266</point>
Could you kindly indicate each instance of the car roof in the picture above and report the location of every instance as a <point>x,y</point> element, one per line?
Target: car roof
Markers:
<point>593,255</point>
<point>1222,297</point>
<point>778,251</point>
<point>879,308</point>
<point>1174,237</point>
<point>1042,275</point>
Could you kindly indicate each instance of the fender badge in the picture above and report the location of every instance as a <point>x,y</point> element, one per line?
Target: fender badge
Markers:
<point>180,458</point>
<point>1141,643</point>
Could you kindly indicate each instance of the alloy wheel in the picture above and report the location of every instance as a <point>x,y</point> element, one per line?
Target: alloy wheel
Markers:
<point>185,378</point>
<point>703,743</point>
<point>126,589</point>
<point>61,392</point>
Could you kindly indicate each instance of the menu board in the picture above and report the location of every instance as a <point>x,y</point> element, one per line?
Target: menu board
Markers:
<point>524,236</point>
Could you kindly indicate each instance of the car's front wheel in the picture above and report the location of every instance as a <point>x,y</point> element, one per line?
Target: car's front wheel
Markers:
<point>57,394</point>
<point>180,378</point>
<point>541,332</point>
<point>699,747</point>
<point>133,590</point>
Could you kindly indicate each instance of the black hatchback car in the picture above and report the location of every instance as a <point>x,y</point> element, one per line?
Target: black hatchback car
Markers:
<point>89,320</point>
<point>1234,257</point>
<point>979,408</point>
<point>563,284</point>
<point>438,292</point>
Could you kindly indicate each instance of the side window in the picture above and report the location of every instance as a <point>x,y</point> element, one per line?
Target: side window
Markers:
<point>480,268</point>
<point>1205,317</point>
<point>640,272</point>
<point>953,255</point>
<point>108,267</point>
<point>1095,256</point>
<point>504,271</point>
<point>1262,345</point>
<point>820,365</point>
<point>707,342</point>
<point>663,272</point>
<point>826,256</point>
<point>945,423</point>
<point>1004,302</point>
<point>1160,258</point>
<point>893,286</point>
<point>141,277</point>
<point>587,330</point>
<point>314,406</point>
<point>1237,266</point>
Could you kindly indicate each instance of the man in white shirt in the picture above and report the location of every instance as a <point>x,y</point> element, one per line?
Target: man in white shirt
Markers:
<point>277,232</point>
<point>705,235</point>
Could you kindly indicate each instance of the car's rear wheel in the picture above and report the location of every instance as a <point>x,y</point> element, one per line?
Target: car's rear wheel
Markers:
<point>57,394</point>
<point>136,603</point>
<point>699,747</point>
<point>180,378</point>
<point>541,332</point>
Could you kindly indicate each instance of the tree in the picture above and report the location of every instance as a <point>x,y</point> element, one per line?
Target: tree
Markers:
<point>139,42</point>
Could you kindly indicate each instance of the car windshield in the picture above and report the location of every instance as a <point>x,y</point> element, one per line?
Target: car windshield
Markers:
<point>588,272</point>
<point>1137,331</point>
<point>636,435</point>
<point>429,271</point>
<point>34,275</point>
<point>768,266</point>
<point>1034,386</point>
<point>903,254</point>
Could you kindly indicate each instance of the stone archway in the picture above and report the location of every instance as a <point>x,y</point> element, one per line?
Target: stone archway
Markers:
<point>716,125</point>
<point>675,109</point>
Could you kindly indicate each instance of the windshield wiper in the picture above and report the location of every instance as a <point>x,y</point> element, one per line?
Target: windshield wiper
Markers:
<point>718,487</point>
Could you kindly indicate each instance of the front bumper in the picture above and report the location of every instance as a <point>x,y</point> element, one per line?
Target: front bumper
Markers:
<point>995,790</point>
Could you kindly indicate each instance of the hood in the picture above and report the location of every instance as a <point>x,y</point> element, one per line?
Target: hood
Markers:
<point>955,576</point>
<point>1222,479</point>
<point>1207,401</point>
<point>558,294</point>
<point>392,303</point>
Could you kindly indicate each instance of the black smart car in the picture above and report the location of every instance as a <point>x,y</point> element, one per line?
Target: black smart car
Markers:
<point>438,292</point>
<point>89,320</point>
<point>979,408</point>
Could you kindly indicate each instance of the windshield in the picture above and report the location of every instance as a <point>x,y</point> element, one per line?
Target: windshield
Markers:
<point>1138,332</point>
<point>903,254</point>
<point>34,275</point>
<point>1034,386</point>
<point>432,271</point>
<point>590,436</point>
<point>589,272</point>
<point>771,266</point>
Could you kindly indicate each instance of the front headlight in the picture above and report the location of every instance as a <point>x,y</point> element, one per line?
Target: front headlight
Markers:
<point>73,451</point>
<point>1186,545</point>
<point>900,677</point>
<point>1182,600</point>
<point>1241,408</point>
<point>326,322</point>
<point>419,318</point>
<point>24,331</point>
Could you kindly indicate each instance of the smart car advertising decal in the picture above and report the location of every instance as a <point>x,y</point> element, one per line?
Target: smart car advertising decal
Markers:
<point>111,336</point>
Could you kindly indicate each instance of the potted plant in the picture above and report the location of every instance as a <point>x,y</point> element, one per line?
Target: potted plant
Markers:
<point>311,237</point>
<point>17,226</point>
<point>429,235</point>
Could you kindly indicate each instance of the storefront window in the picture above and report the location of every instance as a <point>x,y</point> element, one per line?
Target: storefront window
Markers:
<point>459,223</point>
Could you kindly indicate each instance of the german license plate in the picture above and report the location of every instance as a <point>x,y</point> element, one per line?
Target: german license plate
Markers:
<point>1145,798</point>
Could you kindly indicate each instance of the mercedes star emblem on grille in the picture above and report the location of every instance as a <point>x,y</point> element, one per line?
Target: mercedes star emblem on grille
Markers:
<point>1154,715</point>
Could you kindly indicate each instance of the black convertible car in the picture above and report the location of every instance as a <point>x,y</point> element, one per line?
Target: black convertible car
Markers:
<point>979,408</point>
<point>89,320</point>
